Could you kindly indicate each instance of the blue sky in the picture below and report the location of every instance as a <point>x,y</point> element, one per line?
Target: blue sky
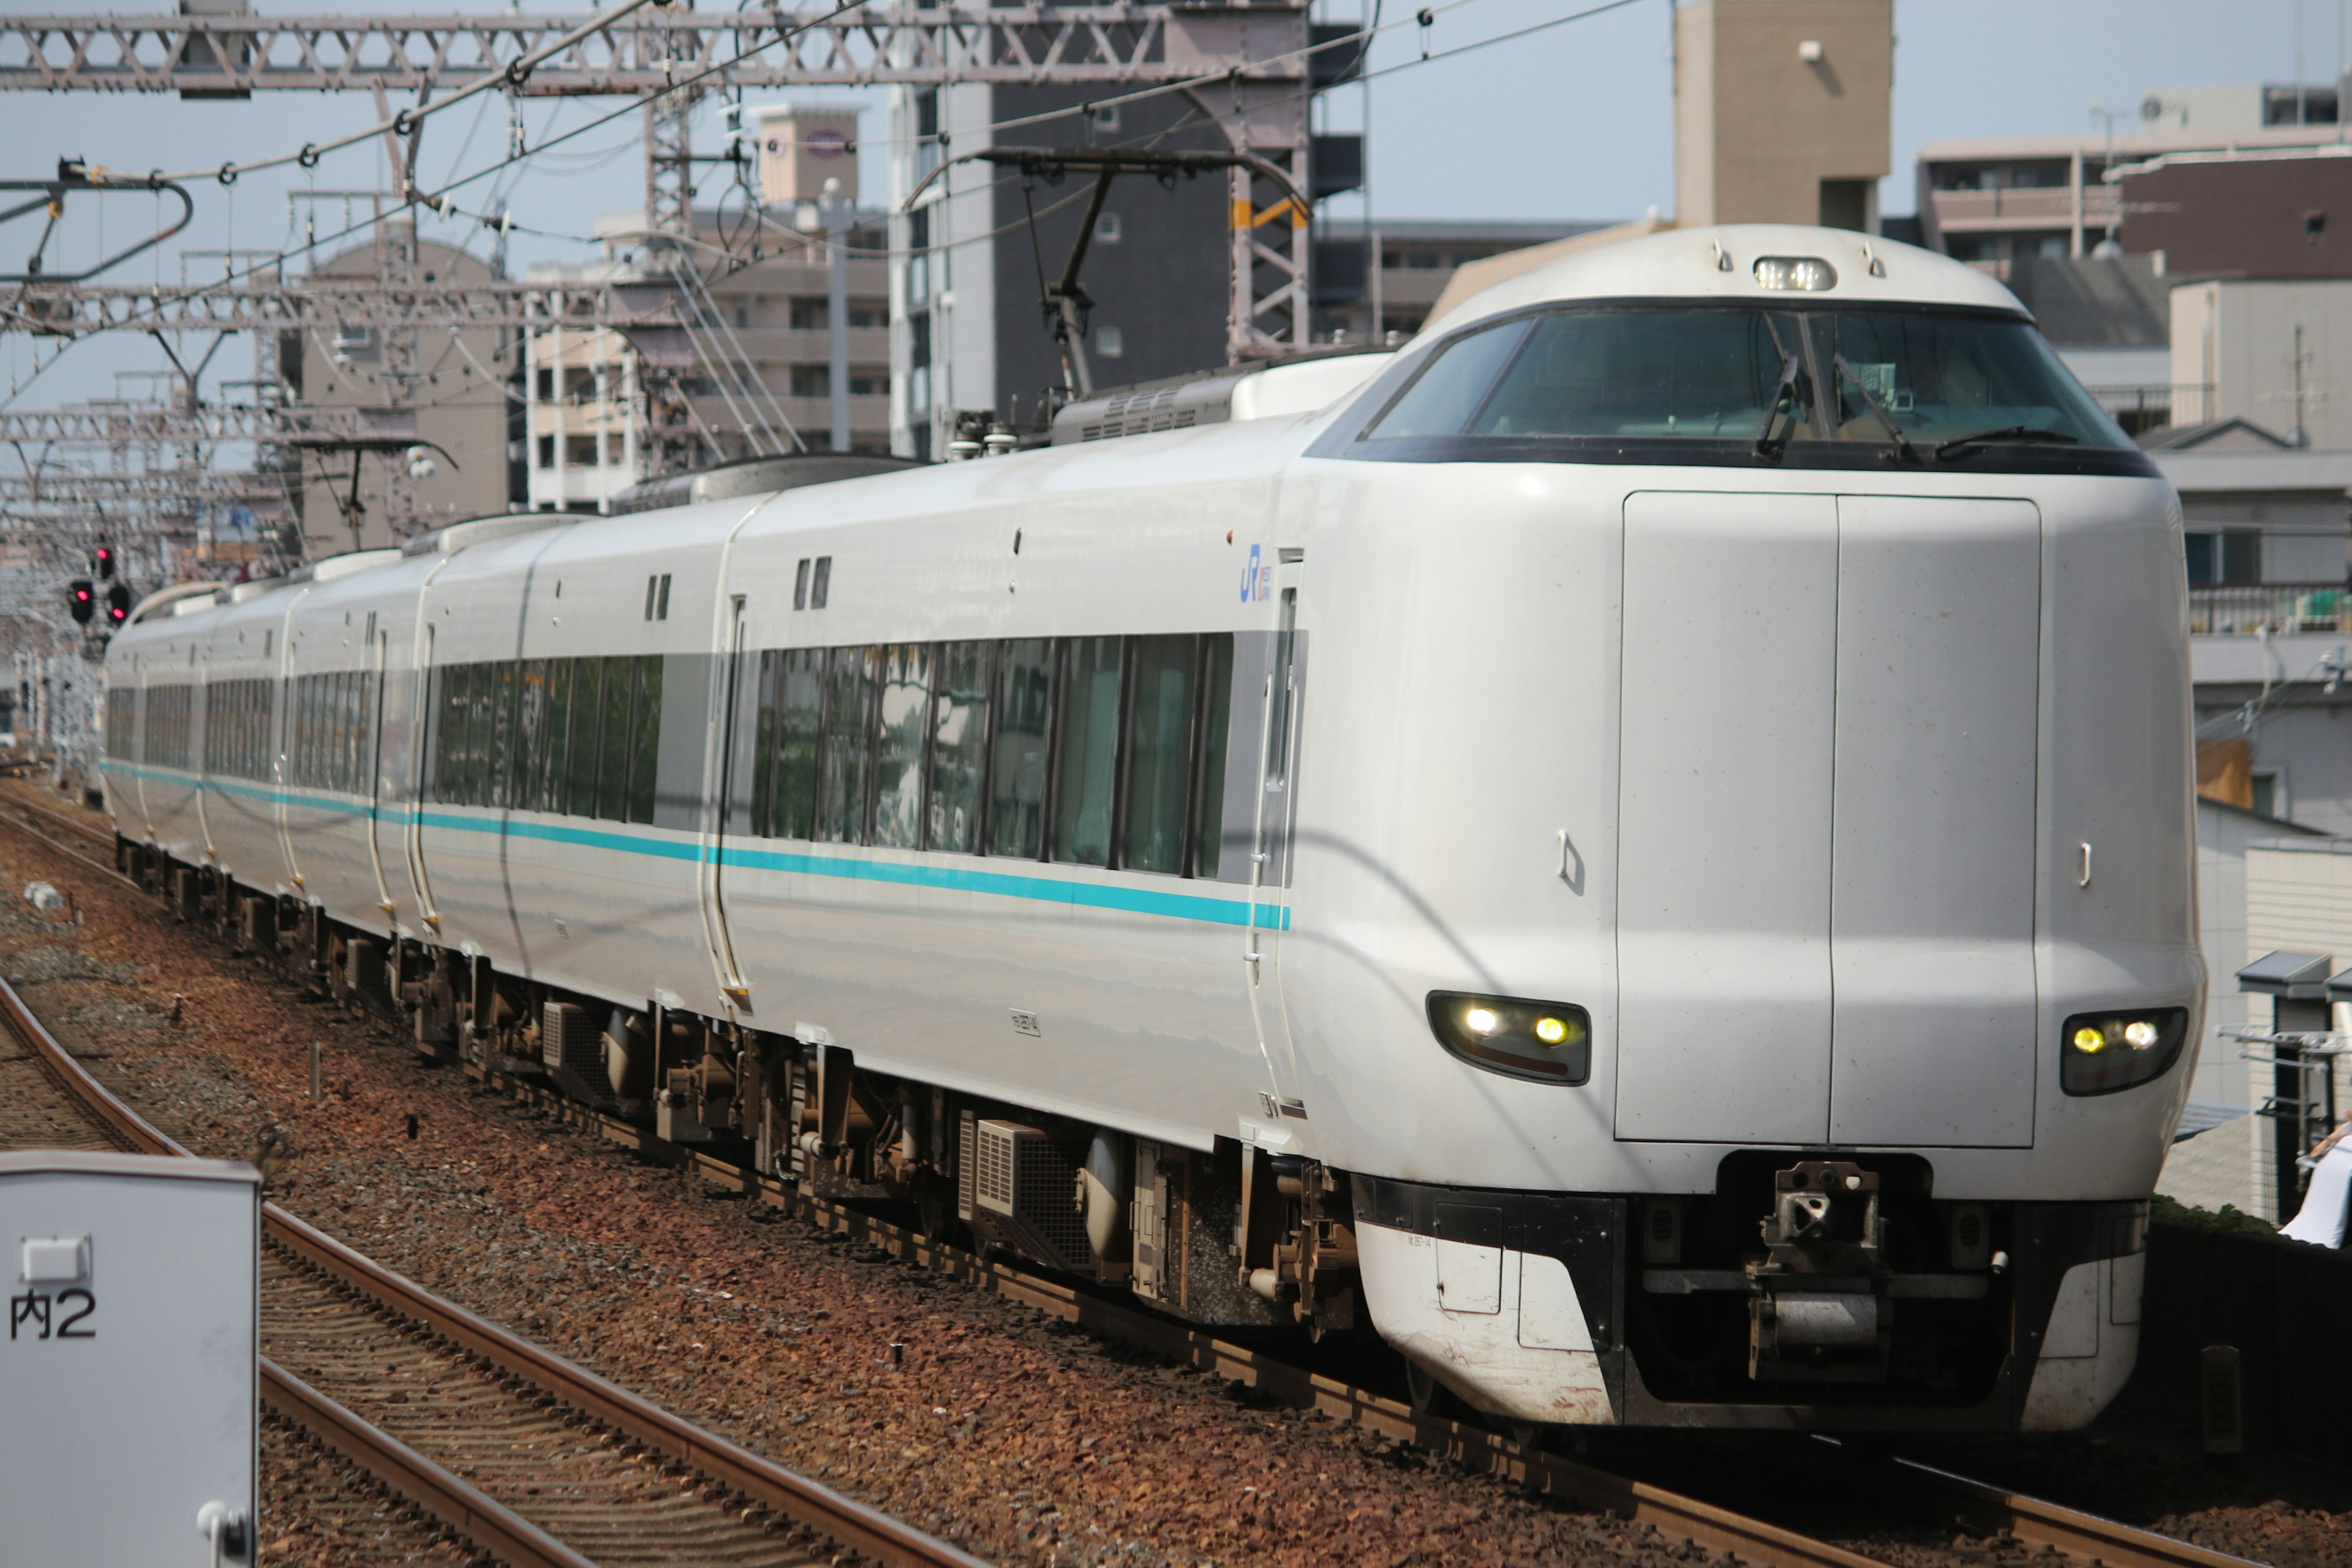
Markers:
<point>1574,121</point>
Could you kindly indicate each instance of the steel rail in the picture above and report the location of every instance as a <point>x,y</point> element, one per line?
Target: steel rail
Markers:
<point>448,1497</point>
<point>845,1519</point>
<point>2048,1526</point>
<point>56,848</point>
<point>456,1503</point>
<point>1988,1508</point>
<point>87,829</point>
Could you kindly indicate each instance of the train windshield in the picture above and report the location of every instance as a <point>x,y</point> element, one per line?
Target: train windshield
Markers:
<point>1940,386</point>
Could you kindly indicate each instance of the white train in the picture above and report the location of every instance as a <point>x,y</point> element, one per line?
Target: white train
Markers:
<point>1640,846</point>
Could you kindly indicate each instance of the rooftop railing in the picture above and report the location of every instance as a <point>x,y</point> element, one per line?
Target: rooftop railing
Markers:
<point>2274,607</point>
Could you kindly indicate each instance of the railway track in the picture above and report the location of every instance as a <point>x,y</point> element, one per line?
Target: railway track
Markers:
<point>537,1461</point>
<point>547,1401</point>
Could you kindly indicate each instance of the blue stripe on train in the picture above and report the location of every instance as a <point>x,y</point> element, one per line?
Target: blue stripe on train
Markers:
<point>958,878</point>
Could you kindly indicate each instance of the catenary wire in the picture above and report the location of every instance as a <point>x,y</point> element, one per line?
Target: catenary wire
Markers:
<point>441,202</point>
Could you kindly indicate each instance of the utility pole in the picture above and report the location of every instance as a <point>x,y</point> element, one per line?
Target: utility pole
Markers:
<point>836,311</point>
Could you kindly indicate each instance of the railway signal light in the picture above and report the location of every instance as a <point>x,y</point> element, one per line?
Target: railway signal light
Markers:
<point>103,559</point>
<point>82,598</point>
<point>118,605</point>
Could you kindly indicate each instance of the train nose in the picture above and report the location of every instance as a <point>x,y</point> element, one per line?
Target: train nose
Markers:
<point>1827,819</point>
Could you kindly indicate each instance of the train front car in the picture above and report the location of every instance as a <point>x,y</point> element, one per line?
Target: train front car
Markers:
<point>1744,945</point>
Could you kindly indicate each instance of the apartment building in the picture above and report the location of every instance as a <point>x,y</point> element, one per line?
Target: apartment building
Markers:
<point>752,374</point>
<point>1992,199</point>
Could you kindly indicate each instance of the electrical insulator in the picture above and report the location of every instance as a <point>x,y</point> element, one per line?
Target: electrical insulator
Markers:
<point>118,605</point>
<point>82,598</point>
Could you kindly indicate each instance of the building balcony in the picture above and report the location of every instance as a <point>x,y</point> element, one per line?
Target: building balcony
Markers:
<point>2278,609</point>
<point>2043,207</point>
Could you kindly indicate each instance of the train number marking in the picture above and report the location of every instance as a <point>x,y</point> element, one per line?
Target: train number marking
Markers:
<point>1025,1023</point>
<point>33,1311</point>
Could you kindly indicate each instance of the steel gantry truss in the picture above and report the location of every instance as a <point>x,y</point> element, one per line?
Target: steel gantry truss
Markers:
<point>647,52</point>
<point>1245,65</point>
<point>1248,62</point>
<point>329,303</point>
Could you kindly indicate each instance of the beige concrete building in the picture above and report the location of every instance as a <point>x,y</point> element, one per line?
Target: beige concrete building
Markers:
<point>2278,353</point>
<point>757,366</point>
<point>458,384</point>
<point>1992,199</point>
<point>1782,110</point>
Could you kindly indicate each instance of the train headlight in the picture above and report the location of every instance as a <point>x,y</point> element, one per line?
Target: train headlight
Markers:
<point>1802,274</point>
<point>2108,1051</point>
<point>1549,1042</point>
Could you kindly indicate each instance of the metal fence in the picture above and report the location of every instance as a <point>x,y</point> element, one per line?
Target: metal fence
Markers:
<point>2273,607</point>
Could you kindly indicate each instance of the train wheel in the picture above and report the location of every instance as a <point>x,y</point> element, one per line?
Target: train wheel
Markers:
<point>1430,1397</point>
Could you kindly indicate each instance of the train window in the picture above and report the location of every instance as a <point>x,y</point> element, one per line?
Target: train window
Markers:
<point>1087,742</point>
<point>1016,807</point>
<point>766,717</point>
<point>236,715</point>
<point>500,751</point>
<point>800,585</point>
<point>820,583</point>
<point>1704,373</point>
<point>1941,378</point>
<point>1449,389</point>
<point>801,696</point>
<point>1159,715</point>
<point>1216,717</point>
<point>958,746</point>
<point>585,722</point>
<point>905,715</point>
<point>613,765</point>
<point>481,694</point>
<point>167,726</point>
<point>849,683</point>
<point>456,714</point>
<point>122,723</point>
<point>645,725</point>
<point>530,734</point>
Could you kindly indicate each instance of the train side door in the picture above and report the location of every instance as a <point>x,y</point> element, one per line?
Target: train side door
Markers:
<point>379,647</point>
<point>290,731</point>
<point>199,743</point>
<point>1270,840</point>
<point>422,719</point>
<point>139,774</point>
<point>736,696</point>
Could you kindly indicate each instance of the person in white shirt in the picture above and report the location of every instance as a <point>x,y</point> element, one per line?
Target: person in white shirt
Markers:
<point>2320,1221</point>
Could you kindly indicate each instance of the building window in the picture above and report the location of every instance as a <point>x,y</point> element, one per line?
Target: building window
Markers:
<point>869,313</point>
<point>547,451</point>
<point>547,383</point>
<point>579,451</point>
<point>918,260</point>
<point>2266,793</point>
<point>2228,557</point>
<point>1110,342</point>
<point>926,131</point>
<point>868,381</point>
<point>811,315</point>
<point>812,381</point>
<point>919,363</point>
